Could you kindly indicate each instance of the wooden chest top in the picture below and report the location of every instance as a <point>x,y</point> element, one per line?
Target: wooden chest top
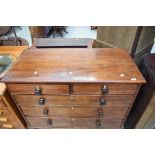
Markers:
<point>14,50</point>
<point>98,65</point>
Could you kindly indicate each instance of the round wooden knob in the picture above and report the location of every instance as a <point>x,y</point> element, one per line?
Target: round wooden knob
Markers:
<point>100,112</point>
<point>37,91</point>
<point>105,90</point>
<point>102,101</point>
<point>45,111</point>
<point>49,122</point>
<point>98,123</point>
<point>71,98</point>
<point>41,101</point>
<point>73,119</point>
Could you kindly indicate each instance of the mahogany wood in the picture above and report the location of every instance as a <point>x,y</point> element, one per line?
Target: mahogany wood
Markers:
<point>74,66</point>
<point>45,88</point>
<point>41,122</point>
<point>63,88</point>
<point>71,100</point>
<point>73,111</point>
<point>97,88</point>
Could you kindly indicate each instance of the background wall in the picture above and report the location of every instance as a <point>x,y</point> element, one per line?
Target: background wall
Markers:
<point>133,38</point>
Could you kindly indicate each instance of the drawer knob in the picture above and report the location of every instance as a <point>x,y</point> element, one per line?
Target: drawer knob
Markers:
<point>41,101</point>
<point>37,91</point>
<point>100,112</point>
<point>73,119</point>
<point>71,98</point>
<point>105,90</point>
<point>49,122</point>
<point>45,111</point>
<point>102,101</point>
<point>98,123</point>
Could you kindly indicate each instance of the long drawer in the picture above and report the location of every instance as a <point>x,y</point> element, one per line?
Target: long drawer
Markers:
<point>80,100</point>
<point>38,88</point>
<point>56,122</point>
<point>73,111</point>
<point>110,88</point>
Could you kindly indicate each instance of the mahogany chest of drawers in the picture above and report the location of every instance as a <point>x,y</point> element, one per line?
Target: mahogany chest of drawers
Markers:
<point>74,88</point>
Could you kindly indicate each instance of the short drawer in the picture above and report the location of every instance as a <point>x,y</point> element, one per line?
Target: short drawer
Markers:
<point>104,89</point>
<point>56,122</point>
<point>79,100</point>
<point>73,111</point>
<point>38,89</point>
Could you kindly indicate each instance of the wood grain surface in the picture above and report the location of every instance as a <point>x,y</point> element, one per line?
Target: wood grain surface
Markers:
<point>78,100</point>
<point>74,65</point>
<point>45,88</point>
<point>14,50</point>
<point>109,112</point>
<point>72,84</point>
<point>41,122</point>
<point>113,88</point>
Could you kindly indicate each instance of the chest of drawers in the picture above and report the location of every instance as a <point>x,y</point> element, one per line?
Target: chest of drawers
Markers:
<point>10,118</point>
<point>74,88</point>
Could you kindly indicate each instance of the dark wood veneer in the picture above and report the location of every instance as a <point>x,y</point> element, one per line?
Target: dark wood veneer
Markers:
<point>74,88</point>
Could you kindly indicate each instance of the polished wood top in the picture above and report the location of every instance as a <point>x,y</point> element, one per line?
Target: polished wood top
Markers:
<point>74,66</point>
<point>14,50</point>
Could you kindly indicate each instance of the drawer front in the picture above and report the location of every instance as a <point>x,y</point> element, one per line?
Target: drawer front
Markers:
<point>9,126</point>
<point>104,89</point>
<point>97,123</point>
<point>4,113</point>
<point>107,112</point>
<point>48,122</point>
<point>6,117</point>
<point>79,100</point>
<point>38,89</point>
<point>6,120</point>
<point>53,122</point>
